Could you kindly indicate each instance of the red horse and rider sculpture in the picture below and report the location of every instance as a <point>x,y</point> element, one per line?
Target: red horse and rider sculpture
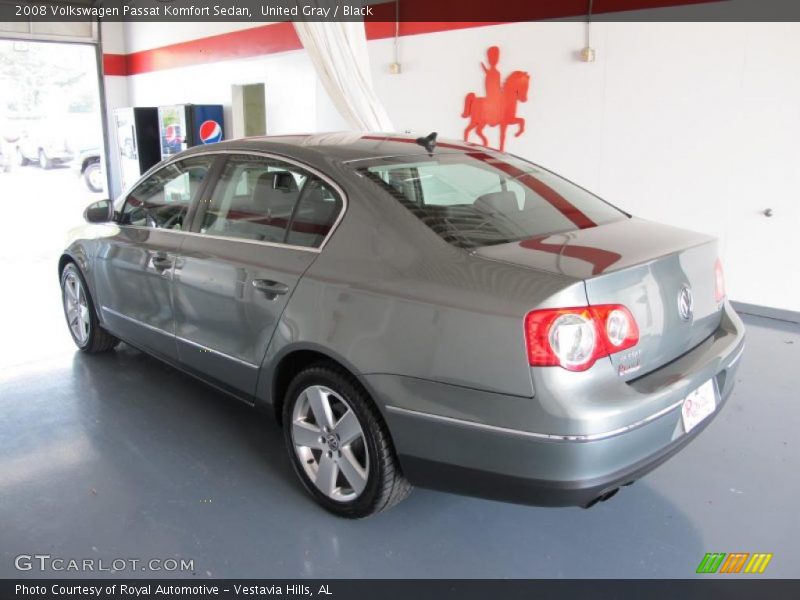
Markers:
<point>499,106</point>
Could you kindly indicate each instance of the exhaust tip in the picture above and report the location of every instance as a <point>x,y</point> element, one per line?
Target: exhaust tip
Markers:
<point>602,497</point>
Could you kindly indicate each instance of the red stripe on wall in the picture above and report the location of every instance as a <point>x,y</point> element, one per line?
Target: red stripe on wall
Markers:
<point>115,64</point>
<point>266,39</point>
<point>273,38</point>
<point>258,41</point>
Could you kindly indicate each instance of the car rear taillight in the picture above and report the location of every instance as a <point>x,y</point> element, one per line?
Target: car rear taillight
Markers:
<point>574,338</point>
<point>719,282</point>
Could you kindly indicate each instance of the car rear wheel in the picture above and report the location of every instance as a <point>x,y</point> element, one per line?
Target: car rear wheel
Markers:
<point>81,317</point>
<point>44,162</point>
<point>93,176</point>
<point>339,446</point>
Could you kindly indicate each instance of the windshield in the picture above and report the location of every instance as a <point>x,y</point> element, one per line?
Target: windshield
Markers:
<point>477,199</point>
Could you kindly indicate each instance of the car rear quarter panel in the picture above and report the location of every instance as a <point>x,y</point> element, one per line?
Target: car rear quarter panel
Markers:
<point>390,297</point>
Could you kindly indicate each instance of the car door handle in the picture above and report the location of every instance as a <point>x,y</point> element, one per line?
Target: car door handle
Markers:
<point>271,289</point>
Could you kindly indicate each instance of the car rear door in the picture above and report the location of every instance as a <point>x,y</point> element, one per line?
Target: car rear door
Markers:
<point>254,235</point>
<point>135,262</point>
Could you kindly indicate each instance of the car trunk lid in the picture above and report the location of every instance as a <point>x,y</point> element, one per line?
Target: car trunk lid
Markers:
<point>656,271</point>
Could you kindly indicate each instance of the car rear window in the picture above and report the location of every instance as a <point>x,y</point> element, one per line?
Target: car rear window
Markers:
<point>478,199</point>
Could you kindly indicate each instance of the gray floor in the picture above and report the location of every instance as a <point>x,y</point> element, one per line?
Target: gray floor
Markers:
<point>118,456</point>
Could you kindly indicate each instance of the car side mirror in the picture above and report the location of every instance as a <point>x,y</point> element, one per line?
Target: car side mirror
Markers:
<point>98,212</point>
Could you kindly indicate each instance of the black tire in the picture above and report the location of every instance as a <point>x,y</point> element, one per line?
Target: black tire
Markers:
<point>98,339</point>
<point>44,162</point>
<point>385,483</point>
<point>21,160</point>
<point>91,170</point>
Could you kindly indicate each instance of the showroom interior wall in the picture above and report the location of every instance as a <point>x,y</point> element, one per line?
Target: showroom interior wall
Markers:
<point>693,124</point>
<point>116,89</point>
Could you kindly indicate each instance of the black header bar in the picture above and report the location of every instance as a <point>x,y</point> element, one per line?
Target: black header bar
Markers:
<point>483,11</point>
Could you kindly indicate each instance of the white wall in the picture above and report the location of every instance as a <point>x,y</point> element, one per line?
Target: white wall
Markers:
<point>292,89</point>
<point>145,36</point>
<point>290,85</point>
<point>693,124</point>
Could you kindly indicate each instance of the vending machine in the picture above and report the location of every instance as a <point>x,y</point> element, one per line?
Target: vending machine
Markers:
<point>138,143</point>
<point>185,125</point>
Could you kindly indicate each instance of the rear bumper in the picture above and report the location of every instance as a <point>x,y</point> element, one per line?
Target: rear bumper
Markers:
<point>545,492</point>
<point>483,455</point>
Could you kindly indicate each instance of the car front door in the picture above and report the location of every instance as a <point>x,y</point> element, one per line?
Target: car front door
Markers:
<point>255,234</point>
<point>134,264</point>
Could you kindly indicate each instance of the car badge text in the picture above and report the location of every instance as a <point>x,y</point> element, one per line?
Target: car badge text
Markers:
<point>629,362</point>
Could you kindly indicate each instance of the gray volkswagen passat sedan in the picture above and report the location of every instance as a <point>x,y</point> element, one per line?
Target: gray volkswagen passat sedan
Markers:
<point>442,315</point>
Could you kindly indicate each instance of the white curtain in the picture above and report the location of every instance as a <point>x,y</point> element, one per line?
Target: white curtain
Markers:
<point>339,54</point>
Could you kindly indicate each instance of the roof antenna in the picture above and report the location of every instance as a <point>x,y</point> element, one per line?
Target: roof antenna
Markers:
<point>429,142</point>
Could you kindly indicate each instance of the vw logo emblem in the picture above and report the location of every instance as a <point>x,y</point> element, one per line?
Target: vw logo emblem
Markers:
<point>685,303</point>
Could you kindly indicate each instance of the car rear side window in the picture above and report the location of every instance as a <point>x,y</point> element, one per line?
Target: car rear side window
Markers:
<point>316,214</point>
<point>478,199</point>
<point>267,200</point>
<point>163,199</point>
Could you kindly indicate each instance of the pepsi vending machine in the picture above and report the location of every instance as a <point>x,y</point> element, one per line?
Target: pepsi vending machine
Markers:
<point>185,125</point>
<point>138,143</point>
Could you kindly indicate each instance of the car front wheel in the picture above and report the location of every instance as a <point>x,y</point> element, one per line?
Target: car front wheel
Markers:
<point>79,312</point>
<point>339,445</point>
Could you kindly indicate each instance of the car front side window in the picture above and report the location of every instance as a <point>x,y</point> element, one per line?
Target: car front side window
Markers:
<point>163,199</point>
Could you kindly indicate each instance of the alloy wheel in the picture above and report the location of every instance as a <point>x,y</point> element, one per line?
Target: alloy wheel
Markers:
<point>76,308</point>
<point>330,444</point>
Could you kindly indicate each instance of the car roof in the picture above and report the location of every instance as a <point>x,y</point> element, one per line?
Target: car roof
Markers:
<point>341,146</point>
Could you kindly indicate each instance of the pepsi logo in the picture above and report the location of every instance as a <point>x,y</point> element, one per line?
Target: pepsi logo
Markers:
<point>210,132</point>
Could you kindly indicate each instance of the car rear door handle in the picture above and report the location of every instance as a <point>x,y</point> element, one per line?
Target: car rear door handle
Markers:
<point>271,289</point>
